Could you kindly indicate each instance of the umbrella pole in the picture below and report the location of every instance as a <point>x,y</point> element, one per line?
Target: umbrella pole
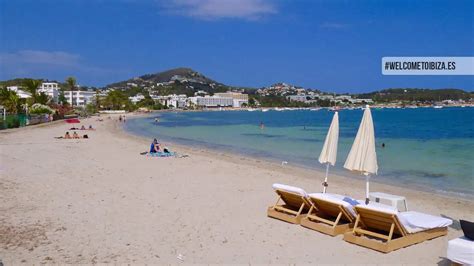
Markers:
<point>325,184</point>
<point>367,176</point>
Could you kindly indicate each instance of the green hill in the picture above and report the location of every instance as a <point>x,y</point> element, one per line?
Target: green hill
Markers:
<point>422,95</point>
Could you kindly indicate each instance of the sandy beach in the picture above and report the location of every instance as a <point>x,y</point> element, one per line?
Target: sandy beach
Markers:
<point>98,200</point>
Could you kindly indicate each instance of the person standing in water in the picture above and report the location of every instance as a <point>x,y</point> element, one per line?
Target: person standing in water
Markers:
<point>262,126</point>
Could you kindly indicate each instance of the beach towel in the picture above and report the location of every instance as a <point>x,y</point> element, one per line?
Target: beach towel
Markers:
<point>461,250</point>
<point>347,202</point>
<point>162,154</point>
<point>412,221</point>
<point>290,189</point>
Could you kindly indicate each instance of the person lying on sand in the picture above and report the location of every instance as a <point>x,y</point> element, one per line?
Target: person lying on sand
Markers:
<point>90,127</point>
<point>75,135</point>
<point>66,136</point>
<point>83,127</point>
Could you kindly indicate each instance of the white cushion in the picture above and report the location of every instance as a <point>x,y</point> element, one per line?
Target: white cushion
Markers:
<point>417,221</point>
<point>291,189</point>
<point>378,207</point>
<point>461,250</point>
<point>412,221</point>
<point>337,199</point>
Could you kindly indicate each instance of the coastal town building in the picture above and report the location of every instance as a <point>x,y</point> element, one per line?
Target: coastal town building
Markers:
<point>239,99</point>
<point>212,101</point>
<point>172,101</point>
<point>79,98</point>
<point>51,89</point>
<point>233,95</point>
<point>19,91</point>
<point>135,99</point>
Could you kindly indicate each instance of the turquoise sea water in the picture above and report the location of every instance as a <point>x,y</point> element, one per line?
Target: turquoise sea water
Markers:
<point>424,147</point>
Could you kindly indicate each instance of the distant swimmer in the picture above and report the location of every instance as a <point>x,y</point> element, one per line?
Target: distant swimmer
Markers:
<point>262,126</point>
<point>383,145</point>
<point>156,120</point>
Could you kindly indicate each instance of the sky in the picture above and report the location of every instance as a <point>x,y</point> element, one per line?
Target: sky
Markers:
<point>331,45</point>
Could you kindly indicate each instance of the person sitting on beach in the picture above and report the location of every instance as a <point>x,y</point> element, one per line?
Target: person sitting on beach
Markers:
<point>75,135</point>
<point>83,127</point>
<point>155,146</point>
<point>90,127</point>
<point>67,136</point>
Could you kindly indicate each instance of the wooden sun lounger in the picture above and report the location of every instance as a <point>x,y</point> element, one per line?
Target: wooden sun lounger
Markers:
<point>294,208</point>
<point>328,217</point>
<point>382,231</point>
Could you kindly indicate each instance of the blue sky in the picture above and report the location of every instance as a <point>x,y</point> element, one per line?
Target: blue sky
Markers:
<point>330,45</point>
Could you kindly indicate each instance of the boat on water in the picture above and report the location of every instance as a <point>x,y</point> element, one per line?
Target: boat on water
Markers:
<point>265,110</point>
<point>279,109</point>
<point>437,107</point>
<point>251,110</point>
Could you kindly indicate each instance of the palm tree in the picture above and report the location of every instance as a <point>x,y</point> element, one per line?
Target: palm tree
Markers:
<point>10,100</point>
<point>71,83</point>
<point>32,85</point>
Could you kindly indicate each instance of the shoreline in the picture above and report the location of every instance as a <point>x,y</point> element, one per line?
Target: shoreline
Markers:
<point>273,162</point>
<point>100,201</point>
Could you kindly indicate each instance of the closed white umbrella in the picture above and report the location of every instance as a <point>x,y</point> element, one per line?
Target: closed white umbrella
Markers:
<point>329,152</point>
<point>362,157</point>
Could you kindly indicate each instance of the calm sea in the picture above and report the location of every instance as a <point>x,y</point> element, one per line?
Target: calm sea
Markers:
<point>424,147</point>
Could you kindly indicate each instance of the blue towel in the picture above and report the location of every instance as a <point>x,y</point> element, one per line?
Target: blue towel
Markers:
<point>351,201</point>
<point>162,154</point>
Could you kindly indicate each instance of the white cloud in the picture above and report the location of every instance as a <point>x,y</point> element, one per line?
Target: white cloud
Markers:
<point>56,58</point>
<point>50,64</point>
<point>333,25</point>
<point>219,9</point>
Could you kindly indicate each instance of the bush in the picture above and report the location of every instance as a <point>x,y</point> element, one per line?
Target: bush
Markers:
<point>38,108</point>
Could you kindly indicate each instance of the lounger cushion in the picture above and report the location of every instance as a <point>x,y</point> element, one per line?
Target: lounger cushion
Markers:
<point>346,202</point>
<point>461,250</point>
<point>378,207</point>
<point>291,189</point>
<point>417,221</point>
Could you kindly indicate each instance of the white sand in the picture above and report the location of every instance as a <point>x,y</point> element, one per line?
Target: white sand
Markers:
<point>98,200</point>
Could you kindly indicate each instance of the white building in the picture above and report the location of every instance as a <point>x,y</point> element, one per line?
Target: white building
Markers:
<point>212,101</point>
<point>21,93</point>
<point>173,100</point>
<point>362,101</point>
<point>297,98</point>
<point>238,98</point>
<point>79,98</point>
<point>234,95</point>
<point>342,98</point>
<point>51,89</point>
<point>135,99</point>
<point>200,93</point>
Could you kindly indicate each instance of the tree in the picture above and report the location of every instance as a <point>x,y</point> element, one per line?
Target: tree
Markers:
<point>42,98</point>
<point>31,86</point>
<point>97,100</point>
<point>91,108</point>
<point>71,83</point>
<point>10,100</point>
<point>116,100</point>
<point>62,99</point>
